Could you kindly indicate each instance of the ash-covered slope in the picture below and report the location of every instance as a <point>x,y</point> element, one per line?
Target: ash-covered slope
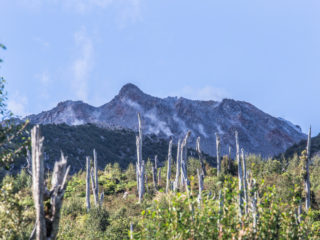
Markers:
<point>258,132</point>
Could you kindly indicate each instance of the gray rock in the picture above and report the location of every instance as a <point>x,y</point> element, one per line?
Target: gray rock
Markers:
<point>259,132</point>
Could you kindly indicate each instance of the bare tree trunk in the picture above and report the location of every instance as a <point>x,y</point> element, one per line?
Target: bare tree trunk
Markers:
<point>101,198</point>
<point>140,163</point>
<point>154,177</point>
<point>47,225</point>
<point>96,184</point>
<point>94,179</point>
<point>184,159</point>
<point>141,181</point>
<point>218,154</point>
<point>240,177</point>
<point>203,169</point>
<point>88,183</point>
<point>131,231</point>
<point>178,168</point>
<point>307,178</point>
<point>38,182</point>
<point>137,171</point>
<point>169,166</point>
<point>299,212</point>
<point>229,160</point>
<point>245,187</point>
<point>159,176</point>
<point>154,172</point>
<point>200,178</point>
<point>59,184</point>
<point>254,195</point>
<point>93,184</point>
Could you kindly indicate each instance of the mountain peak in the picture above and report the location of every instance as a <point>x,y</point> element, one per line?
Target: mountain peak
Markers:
<point>129,89</point>
<point>260,132</point>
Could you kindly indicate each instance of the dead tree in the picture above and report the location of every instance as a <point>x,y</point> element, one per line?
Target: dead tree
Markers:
<point>94,179</point>
<point>159,176</point>
<point>218,154</point>
<point>88,160</point>
<point>131,231</point>
<point>169,166</point>
<point>140,163</point>
<point>28,167</point>
<point>184,159</point>
<point>38,182</point>
<point>95,165</point>
<point>178,168</point>
<point>101,198</point>
<point>154,172</point>
<point>203,169</point>
<point>307,176</point>
<point>254,203</point>
<point>200,178</point>
<point>240,177</point>
<point>47,223</point>
<point>245,187</point>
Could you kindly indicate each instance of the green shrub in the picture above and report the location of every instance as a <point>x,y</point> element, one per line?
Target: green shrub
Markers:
<point>98,219</point>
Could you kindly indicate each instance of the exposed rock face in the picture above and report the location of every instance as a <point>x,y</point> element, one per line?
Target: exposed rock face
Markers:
<point>258,132</point>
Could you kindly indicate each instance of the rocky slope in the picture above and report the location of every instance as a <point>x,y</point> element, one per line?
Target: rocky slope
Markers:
<point>258,132</point>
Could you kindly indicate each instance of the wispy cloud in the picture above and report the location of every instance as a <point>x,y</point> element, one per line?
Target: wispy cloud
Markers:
<point>204,93</point>
<point>126,11</point>
<point>82,65</point>
<point>17,104</point>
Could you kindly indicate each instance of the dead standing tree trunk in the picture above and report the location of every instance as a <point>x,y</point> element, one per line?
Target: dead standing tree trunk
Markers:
<point>47,224</point>
<point>96,183</point>
<point>159,176</point>
<point>184,159</point>
<point>38,182</point>
<point>203,169</point>
<point>200,178</point>
<point>218,154</point>
<point>245,187</point>
<point>94,179</point>
<point>178,168</point>
<point>169,166</point>
<point>154,172</point>
<point>140,162</point>
<point>88,183</point>
<point>229,160</point>
<point>307,177</point>
<point>240,178</point>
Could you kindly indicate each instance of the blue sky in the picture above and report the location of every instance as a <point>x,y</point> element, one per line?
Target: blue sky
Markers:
<point>265,52</point>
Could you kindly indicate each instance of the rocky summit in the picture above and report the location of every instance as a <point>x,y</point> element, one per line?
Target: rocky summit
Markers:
<point>259,132</point>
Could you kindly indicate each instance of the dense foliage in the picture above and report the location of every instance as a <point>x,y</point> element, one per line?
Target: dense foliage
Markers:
<point>175,215</point>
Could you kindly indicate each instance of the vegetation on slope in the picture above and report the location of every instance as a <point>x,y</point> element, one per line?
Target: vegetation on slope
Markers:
<point>174,215</point>
<point>112,146</point>
<point>299,147</point>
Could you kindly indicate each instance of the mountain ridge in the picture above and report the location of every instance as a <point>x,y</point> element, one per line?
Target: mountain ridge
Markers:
<point>259,132</point>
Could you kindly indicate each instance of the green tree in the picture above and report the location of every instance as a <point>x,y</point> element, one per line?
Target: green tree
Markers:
<point>12,139</point>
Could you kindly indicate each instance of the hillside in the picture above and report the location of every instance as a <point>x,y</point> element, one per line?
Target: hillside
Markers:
<point>112,145</point>
<point>259,132</point>
<point>299,147</point>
